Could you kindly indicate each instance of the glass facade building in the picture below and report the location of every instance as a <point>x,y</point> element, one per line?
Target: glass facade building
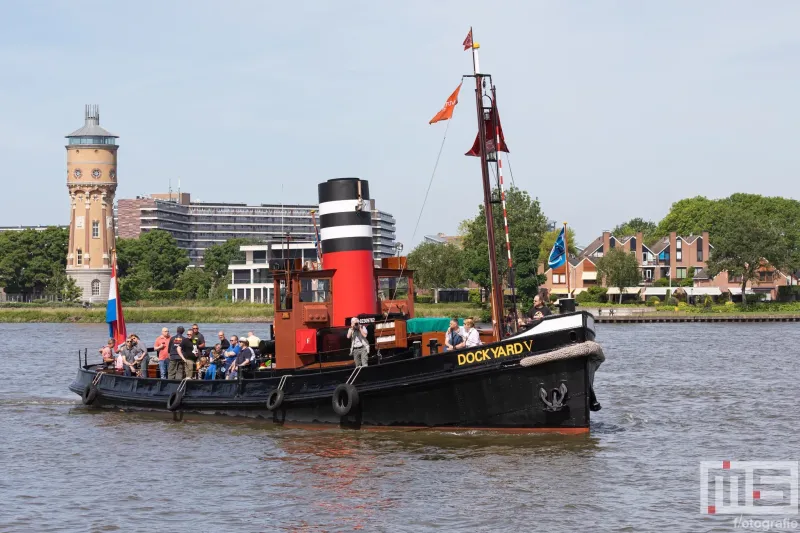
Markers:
<point>197,226</point>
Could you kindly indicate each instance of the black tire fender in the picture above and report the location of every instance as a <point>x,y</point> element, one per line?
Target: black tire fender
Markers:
<point>275,399</point>
<point>344,399</point>
<point>89,394</point>
<point>174,401</point>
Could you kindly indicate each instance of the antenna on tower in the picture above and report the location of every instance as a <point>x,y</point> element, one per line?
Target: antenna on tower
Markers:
<point>170,189</point>
<point>179,190</point>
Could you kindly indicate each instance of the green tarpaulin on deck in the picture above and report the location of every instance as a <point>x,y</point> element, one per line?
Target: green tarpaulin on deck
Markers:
<point>424,325</point>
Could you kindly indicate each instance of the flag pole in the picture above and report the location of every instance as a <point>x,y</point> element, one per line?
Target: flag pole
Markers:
<point>566,257</point>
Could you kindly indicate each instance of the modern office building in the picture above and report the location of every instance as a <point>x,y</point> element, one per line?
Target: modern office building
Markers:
<point>199,225</point>
<point>251,279</point>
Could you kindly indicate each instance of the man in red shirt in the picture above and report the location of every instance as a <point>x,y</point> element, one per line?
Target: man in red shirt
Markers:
<point>161,346</point>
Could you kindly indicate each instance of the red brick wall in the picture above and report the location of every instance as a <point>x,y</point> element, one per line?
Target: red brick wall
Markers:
<point>129,217</point>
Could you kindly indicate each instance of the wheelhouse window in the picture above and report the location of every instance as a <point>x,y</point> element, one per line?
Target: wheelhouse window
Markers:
<point>393,288</point>
<point>315,290</point>
<point>284,302</point>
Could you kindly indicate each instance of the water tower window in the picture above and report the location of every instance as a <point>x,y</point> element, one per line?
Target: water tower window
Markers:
<point>95,287</point>
<point>79,257</point>
<point>95,229</point>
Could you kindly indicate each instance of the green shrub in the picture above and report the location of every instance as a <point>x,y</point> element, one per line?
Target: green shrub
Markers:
<point>593,294</point>
<point>475,296</point>
<point>423,298</point>
<point>652,301</point>
<point>672,301</point>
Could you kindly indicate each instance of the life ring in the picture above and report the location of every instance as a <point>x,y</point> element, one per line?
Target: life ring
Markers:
<point>174,400</point>
<point>345,398</point>
<point>275,399</point>
<point>89,394</point>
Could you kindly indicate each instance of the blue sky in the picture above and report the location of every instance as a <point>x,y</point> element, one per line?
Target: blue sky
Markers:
<point>612,110</point>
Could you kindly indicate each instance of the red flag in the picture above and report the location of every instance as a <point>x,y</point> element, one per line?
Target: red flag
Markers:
<point>447,111</point>
<point>491,137</point>
<point>468,40</point>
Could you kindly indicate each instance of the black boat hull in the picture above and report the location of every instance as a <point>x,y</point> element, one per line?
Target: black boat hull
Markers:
<point>482,388</point>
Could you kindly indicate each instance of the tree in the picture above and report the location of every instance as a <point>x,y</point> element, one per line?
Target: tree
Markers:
<point>527,225</point>
<point>633,226</point>
<point>618,268</point>
<point>437,266</point>
<point>195,283</point>
<point>648,228</point>
<point>743,241</point>
<point>549,239</point>
<point>62,286</point>
<point>154,258</point>
<point>29,258</point>
<point>528,278</point>
<point>690,216</point>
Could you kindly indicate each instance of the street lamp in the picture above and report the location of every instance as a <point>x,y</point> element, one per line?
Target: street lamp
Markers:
<point>399,248</point>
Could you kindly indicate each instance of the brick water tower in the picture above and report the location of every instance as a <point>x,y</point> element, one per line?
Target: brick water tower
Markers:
<point>92,182</point>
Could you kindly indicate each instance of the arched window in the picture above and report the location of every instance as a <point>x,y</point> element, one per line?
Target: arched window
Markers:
<point>95,287</point>
<point>79,257</point>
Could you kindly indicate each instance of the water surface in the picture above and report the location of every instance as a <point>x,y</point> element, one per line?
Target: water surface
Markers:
<point>672,395</point>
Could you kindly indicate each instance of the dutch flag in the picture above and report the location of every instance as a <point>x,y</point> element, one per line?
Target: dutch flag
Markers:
<point>114,316</point>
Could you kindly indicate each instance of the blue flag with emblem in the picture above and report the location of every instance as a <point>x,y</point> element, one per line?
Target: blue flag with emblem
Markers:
<point>558,255</point>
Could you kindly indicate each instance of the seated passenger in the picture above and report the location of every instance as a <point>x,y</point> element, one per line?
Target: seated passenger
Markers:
<point>452,338</point>
<point>107,352</point>
<point>215,360</point>
<point>130,355</point>
<point>471,336</point>
<point>242,361</point>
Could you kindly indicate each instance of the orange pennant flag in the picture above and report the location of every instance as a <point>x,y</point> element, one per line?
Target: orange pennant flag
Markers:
<point>447,111</point>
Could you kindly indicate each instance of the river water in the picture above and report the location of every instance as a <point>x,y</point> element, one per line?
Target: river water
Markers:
<point>673,395</point>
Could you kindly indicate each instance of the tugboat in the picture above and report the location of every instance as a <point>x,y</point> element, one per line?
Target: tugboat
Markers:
<point>539,379</point>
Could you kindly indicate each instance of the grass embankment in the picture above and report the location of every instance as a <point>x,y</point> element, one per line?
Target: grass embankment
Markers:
<point>185,312</point>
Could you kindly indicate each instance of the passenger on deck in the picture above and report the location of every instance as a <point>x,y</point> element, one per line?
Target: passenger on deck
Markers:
<point>198,339</point>
<point>143,359</point>
<point>233,351</point>
<point>179,346</point>
<point>452,338</point>
<point>359,345</point>
<point>215,361</point>
<point>129,353</point>
<point>536,314</point>
<point>252,340</point>
<point>107,352</point>
<point>190,357</point>
<point>161,346</point>
<point>242,361</point>
<point>224,343</point>
<point>471,336</point>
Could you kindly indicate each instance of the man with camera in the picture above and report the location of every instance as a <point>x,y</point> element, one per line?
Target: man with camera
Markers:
<point>359,345</point>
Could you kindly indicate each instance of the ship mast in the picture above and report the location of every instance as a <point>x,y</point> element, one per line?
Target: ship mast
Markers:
<point>483,114</point>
